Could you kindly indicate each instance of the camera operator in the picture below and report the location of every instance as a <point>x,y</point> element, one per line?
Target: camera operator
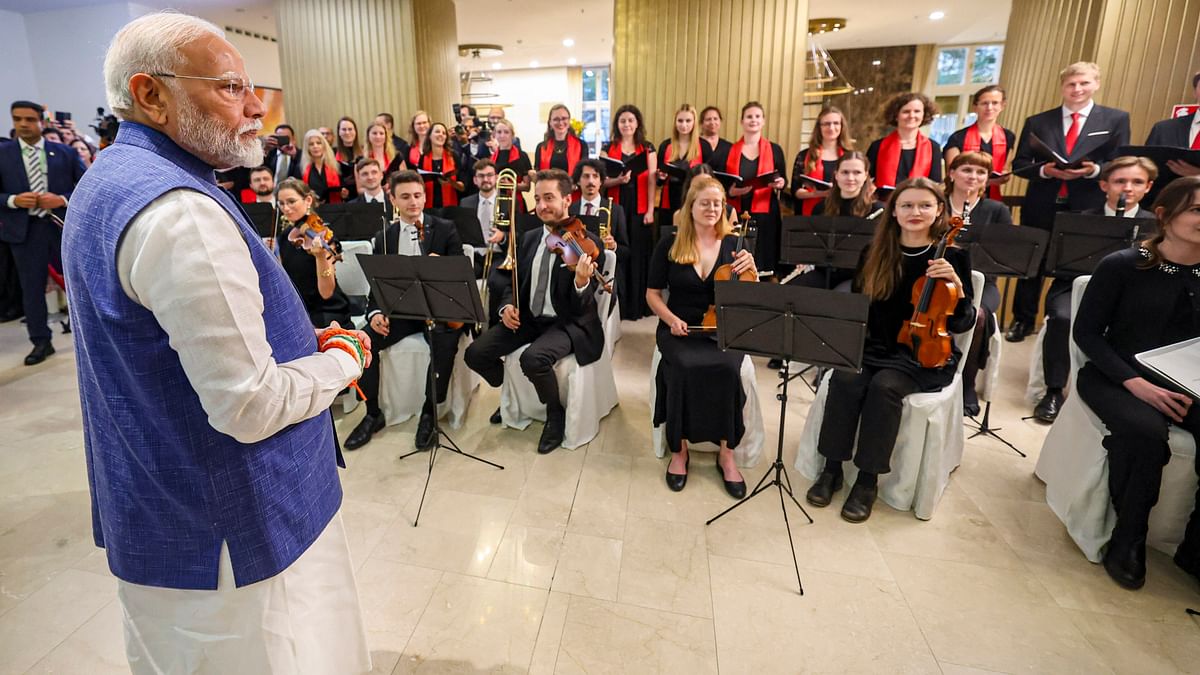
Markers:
<point>283,157</point>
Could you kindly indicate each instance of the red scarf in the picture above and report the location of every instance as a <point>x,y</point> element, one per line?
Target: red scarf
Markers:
<point>546,151</point>
<point>513,154</point>
<point>817,170</point>
<point>643,179</point>
<point>666,159</point>
<point>449,194</point>
<point>414,155</point>
<point>888,161</point>
<point>973,142</point>
<point>332,181</point>
<point>761,199</point>
<point>248,196</point>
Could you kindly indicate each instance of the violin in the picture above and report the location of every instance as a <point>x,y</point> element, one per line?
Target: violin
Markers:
<point>312,230</point>
<point>570,242</point>
<point>934,301</point>
<point>725,273</point>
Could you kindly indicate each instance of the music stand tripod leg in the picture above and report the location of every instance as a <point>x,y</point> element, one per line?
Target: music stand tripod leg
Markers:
<point>982,427</point>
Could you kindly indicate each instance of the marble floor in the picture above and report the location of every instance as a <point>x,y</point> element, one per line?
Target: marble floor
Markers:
<point>584,562</point>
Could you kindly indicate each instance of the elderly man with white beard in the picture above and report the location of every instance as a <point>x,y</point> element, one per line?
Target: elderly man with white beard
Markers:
<point>205,391</point>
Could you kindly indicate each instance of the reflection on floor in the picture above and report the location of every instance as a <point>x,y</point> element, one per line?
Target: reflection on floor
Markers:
<point>583,561</point>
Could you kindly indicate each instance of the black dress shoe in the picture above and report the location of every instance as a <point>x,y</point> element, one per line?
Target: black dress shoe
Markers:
<point>676,481</point>
<point>1047,408</point>
<point>858,505</point>
<point>40,351</point>
<point>735,488</point>
<point>1126,564</point>
<point>970,403</point>
<point>552,433</point>
<point>362,433</point>
<point>821,492</point>
<point>495,418</point>
<point>1019,330</point>
<point>425,438</point>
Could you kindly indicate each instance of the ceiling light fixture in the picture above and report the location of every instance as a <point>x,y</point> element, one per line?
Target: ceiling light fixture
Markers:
<point>533,63</point>
<point>496,66</point>
<point>571,61</point>
<point>568,42</point>
<point>937,16</point>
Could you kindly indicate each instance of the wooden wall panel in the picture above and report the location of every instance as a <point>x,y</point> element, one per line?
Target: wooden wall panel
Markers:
<point>712,52</point>
<point>436,30</point>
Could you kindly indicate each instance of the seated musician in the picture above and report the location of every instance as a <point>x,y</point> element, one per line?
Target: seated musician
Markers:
<point>553,310</point>
<point>589,176</point>
<point>1140,299</point>
<point>308,261</point>
<point>869,403</point>
<point>483,203</point>
<point>412,233</point>
<point>699,387</point>
<point>967,186</point>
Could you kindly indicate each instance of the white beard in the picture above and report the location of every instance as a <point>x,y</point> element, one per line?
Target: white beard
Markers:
<point>206,138</point>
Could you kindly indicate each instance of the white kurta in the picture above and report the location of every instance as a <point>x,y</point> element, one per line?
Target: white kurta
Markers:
<point>305,620</point>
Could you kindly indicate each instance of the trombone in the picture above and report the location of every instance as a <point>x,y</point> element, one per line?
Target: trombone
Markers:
<point>504,217</point>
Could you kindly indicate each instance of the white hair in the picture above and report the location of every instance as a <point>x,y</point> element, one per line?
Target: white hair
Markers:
<point>148,44</point>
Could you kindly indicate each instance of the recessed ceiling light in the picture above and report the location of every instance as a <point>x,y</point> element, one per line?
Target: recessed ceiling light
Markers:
<point>877,62</point>
<point>568,42</point>
<point>496,66</point>
<point>533,63</point>
<point>937,16</point>
<point>571,61</point>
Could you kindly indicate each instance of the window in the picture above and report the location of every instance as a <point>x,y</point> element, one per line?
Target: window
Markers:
<point>595,115</point>
<point>960,71</point>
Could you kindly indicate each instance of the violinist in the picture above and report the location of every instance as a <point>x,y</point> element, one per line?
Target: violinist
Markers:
<point>830,140</point>
<point>966,186</point>
<point>412,233</point>
<point>589,176</point>
<point>308,259</point>
<point>869,403</point>
<point>552,309</point>
<point>634,194</point>
<point>321,171</point>
<point>1140,299</point>
<point>438,157</point>
<point>700,396</point>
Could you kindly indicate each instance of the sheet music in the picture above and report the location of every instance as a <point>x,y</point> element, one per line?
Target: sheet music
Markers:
<point>1178,363</point>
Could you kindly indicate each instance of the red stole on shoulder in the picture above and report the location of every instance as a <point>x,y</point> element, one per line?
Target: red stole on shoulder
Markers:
<point>973,142</point>
<point>332,181</point>
<point>248,196</point>
<point>574,153</point>
<point>888,161</point>
<point>761,198</point>
<point>449,194</point>
<point>643,179</point>
<point>513,154</point>
<point>414,156</point>
<point>817,170</point>
<point>666,159</point>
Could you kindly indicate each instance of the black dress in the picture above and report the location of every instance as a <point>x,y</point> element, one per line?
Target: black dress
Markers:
<point>959,137</point>
<point>807,206</point>
<point>709,155</point>
<point>700,395</point>
<point>641,246</point>
<point>766,253</point>
<point>301,268</point>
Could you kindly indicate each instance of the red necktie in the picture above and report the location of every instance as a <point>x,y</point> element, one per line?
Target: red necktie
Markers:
<point>1072,136</point>
<point>1196,141</point>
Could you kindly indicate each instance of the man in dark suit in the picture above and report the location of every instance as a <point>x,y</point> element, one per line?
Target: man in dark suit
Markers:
<point>369,177</point>
<point>1177,132</point>
<point>589,176</point>
<point>37,178</point>
<point>283,160</point>
<point>483,203</point>
<point>553,310</point>
<point>1079,129</point>
<point>413,233</point>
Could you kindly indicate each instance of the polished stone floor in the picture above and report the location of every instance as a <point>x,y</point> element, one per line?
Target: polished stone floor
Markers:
<point>584,562</point>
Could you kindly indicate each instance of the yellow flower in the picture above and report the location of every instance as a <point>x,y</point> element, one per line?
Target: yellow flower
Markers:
<point>577,126</point>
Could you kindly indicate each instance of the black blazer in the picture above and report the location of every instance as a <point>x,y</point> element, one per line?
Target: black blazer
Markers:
<point>577,312</point>
<point>1105,130</point>
<point>1143,212</point>
<point>620,231</point>
<point>64,168</point>
<point>1172,132</point>
<point>387,205</point>
<point>293,168</point>
<point>441,237</point>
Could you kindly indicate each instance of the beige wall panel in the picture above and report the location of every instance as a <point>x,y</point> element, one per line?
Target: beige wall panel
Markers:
<point>712,52</point>
<point>436,32</point>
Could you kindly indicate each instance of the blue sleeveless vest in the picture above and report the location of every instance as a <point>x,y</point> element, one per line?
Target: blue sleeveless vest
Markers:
<point>166,487</point>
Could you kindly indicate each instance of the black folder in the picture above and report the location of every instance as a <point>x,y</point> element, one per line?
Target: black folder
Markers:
<point>1161,154</point>
<point>1051,156</point>
<point>615,167</point>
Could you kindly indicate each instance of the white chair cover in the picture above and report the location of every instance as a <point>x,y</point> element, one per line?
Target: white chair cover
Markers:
<point>612,323</point>
<point>589,392</point>
<point>1074,466</point>
<point>747,452</point>
<point>929,445</point>
<point>350,276</point>
<point>989,377</point>
<point>1036,387</point>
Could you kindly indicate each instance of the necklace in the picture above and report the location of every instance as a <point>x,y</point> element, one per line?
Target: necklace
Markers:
<point>917,253</point>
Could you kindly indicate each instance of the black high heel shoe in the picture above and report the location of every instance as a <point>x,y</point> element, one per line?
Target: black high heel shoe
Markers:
<point>676,481</point>
<point>735,488</point>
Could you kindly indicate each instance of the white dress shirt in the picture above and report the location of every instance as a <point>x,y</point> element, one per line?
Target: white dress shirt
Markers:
<point>1194,131</point>
<point>184,259</point>
<point>542,250</point>
<point>1084,112</point>
<point>1130,212</point>
<point>41,148</point>
<point>485,211</point>
<point>376,198</point>
<point>596,203</point>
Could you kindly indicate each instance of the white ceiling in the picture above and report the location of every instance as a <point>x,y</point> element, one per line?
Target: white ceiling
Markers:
<point>881,24</point>
<point>535,29</point>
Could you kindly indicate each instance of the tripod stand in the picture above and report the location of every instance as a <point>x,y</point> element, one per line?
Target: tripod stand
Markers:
<point>764,321</point>
<point>428,289</point>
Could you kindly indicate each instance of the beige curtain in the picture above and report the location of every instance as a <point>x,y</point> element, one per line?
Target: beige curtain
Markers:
<point>923,66</point>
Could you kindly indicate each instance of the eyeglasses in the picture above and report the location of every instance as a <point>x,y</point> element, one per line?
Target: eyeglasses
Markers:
<point>233,84</point>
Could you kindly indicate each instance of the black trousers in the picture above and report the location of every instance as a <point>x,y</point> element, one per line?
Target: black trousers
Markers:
<point>1056,345</point>
<point>548,343</point>
<point>41,248</point>
<point>870,403</point>
<point>1137,452</point>
<point>443,350</point>
<point>11,301</point>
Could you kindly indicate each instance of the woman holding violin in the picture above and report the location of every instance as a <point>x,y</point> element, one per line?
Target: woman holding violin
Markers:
<point>900,262</point>
<point>307,251</point>
<point>700,396</point>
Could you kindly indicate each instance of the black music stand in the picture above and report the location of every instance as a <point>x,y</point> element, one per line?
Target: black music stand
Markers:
<point>429,289</point>
<point>1010,252</point>
<point>813,325</point>
<point>264,217</point>
<point>1078,242</point>
<point>466,223</point>
<point>355,221</point>
<point>831,242</point>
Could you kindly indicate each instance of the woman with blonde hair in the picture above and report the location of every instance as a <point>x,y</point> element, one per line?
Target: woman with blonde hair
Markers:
<point>381,149</point>
<point>418,129</point>
<point>319,169</point>
<point>683,150</point>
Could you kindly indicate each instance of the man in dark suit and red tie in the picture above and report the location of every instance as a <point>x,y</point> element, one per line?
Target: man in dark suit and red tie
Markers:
<point>37,178</point>
<point>1178,132</point>
<point>1079,129</point>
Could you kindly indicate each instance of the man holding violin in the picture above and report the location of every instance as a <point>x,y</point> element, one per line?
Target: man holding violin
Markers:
<point>552,309</point>
<point>412,233</point>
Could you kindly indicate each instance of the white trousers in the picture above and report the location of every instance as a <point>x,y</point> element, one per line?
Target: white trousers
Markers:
<point>305,620</point>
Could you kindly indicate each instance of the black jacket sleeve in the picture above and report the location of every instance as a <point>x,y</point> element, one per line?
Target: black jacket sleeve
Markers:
<point>1096,311</point>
